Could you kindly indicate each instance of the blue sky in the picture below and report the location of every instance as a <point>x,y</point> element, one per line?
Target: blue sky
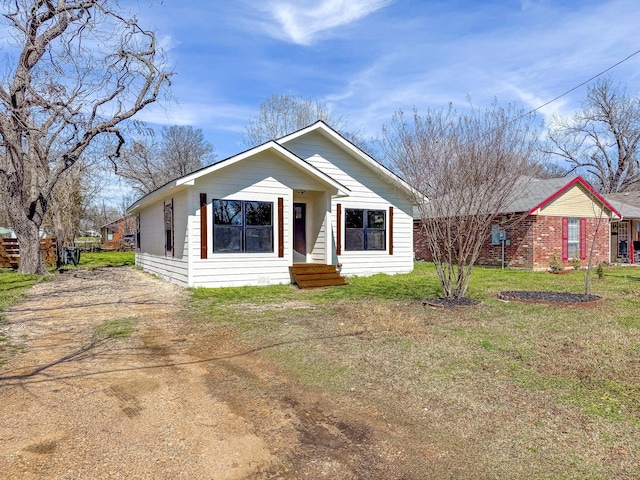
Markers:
<point>368,58</point>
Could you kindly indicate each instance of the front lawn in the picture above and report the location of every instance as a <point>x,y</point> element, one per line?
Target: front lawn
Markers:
<point>504,390</point>
<point>13,287</point>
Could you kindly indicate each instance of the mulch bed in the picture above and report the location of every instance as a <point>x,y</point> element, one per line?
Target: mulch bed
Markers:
<point>450,302</point>
<point>550,298</point>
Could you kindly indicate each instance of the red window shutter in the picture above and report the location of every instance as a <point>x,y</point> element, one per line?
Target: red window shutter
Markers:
<point>203,225</point>
<point>583,239</point>
<point>280,227</point>
<point>565,239</point>
<point>338,228</point>
<point>390,230</point>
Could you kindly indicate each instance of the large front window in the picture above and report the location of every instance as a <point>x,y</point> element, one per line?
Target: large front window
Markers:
<point>242,226</point>
<point>364,229</point>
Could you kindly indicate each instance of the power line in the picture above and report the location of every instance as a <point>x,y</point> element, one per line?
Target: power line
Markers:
<point>578,86</point>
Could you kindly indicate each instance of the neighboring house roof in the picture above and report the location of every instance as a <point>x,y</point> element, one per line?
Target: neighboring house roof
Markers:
<point>627,203</point>
<point>278,147</point>
<point>539,192</point>
<point>117,224</point>
<point>536,193</point>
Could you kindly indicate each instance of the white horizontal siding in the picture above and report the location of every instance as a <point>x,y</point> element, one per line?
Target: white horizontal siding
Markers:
<point>369,189</point>
<point>264,178</point>
<point>180,232</point>
<point>151,256</point>
<point>371,261</point>
<point>265,174</point>
<point>267,177</point>
<point>152,233</point>
<point>239,269</point>
<point>359,178</point>
<point>174,270</point>
<point>152,230</point>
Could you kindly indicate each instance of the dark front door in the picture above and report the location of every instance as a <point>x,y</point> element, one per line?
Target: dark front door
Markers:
<point>299,228</point>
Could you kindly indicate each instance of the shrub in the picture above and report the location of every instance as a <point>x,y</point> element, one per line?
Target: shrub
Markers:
<point>555,265</point>
<point>600,270</point>
<point>576,263</point>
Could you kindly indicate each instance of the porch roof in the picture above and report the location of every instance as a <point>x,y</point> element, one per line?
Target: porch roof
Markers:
<point>627,203</point>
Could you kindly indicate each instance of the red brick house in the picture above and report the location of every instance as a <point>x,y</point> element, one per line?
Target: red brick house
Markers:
<point>119,234</point>
<point>555,216</point>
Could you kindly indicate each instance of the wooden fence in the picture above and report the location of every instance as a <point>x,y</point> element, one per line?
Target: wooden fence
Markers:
<point>10,252</point>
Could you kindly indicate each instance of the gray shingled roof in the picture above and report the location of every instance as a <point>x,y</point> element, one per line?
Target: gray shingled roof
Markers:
<point>531,193</point>
<point>627,203</point>
<point>534,191</point>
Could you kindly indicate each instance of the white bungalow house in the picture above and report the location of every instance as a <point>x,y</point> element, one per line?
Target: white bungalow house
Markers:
<point>311,197</point>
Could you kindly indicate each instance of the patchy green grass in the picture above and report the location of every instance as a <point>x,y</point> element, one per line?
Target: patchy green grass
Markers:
<point>510,390</point>
<point>13,287</point>
<point>93,260</point>
<point>117,328</point>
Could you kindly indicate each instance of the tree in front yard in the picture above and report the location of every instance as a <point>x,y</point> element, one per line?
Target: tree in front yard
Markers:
<point>470,166</point>
<point>74,72</point>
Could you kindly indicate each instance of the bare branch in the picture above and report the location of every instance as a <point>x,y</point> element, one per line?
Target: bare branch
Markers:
<point>470,166</point>
<point>84,68</point>
<point>602,138</point>
<point>147,164</point>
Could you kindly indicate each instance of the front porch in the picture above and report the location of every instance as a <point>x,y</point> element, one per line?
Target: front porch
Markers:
<point>625,242</point>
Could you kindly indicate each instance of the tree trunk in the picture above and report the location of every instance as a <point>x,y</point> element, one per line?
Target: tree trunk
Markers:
<point>31,258</point>
<point>27,232</point>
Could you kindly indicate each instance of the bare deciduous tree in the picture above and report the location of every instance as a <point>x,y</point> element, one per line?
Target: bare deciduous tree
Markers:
<point>552,170</point>
<point>98,214</point>
<point>280,115</point>
<point>185,150</point>
<point>602,138</point>
<point>79,70</point>
<point>470,166</point>
<point>148,164</point>
<point>66,205</point>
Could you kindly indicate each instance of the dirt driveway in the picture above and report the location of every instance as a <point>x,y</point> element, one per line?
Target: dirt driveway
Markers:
<point>75,405</point>
<point>164,402</point>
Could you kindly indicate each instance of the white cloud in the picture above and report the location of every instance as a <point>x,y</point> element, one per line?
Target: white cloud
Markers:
<point>302,22</point>
<point>230,117</point>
